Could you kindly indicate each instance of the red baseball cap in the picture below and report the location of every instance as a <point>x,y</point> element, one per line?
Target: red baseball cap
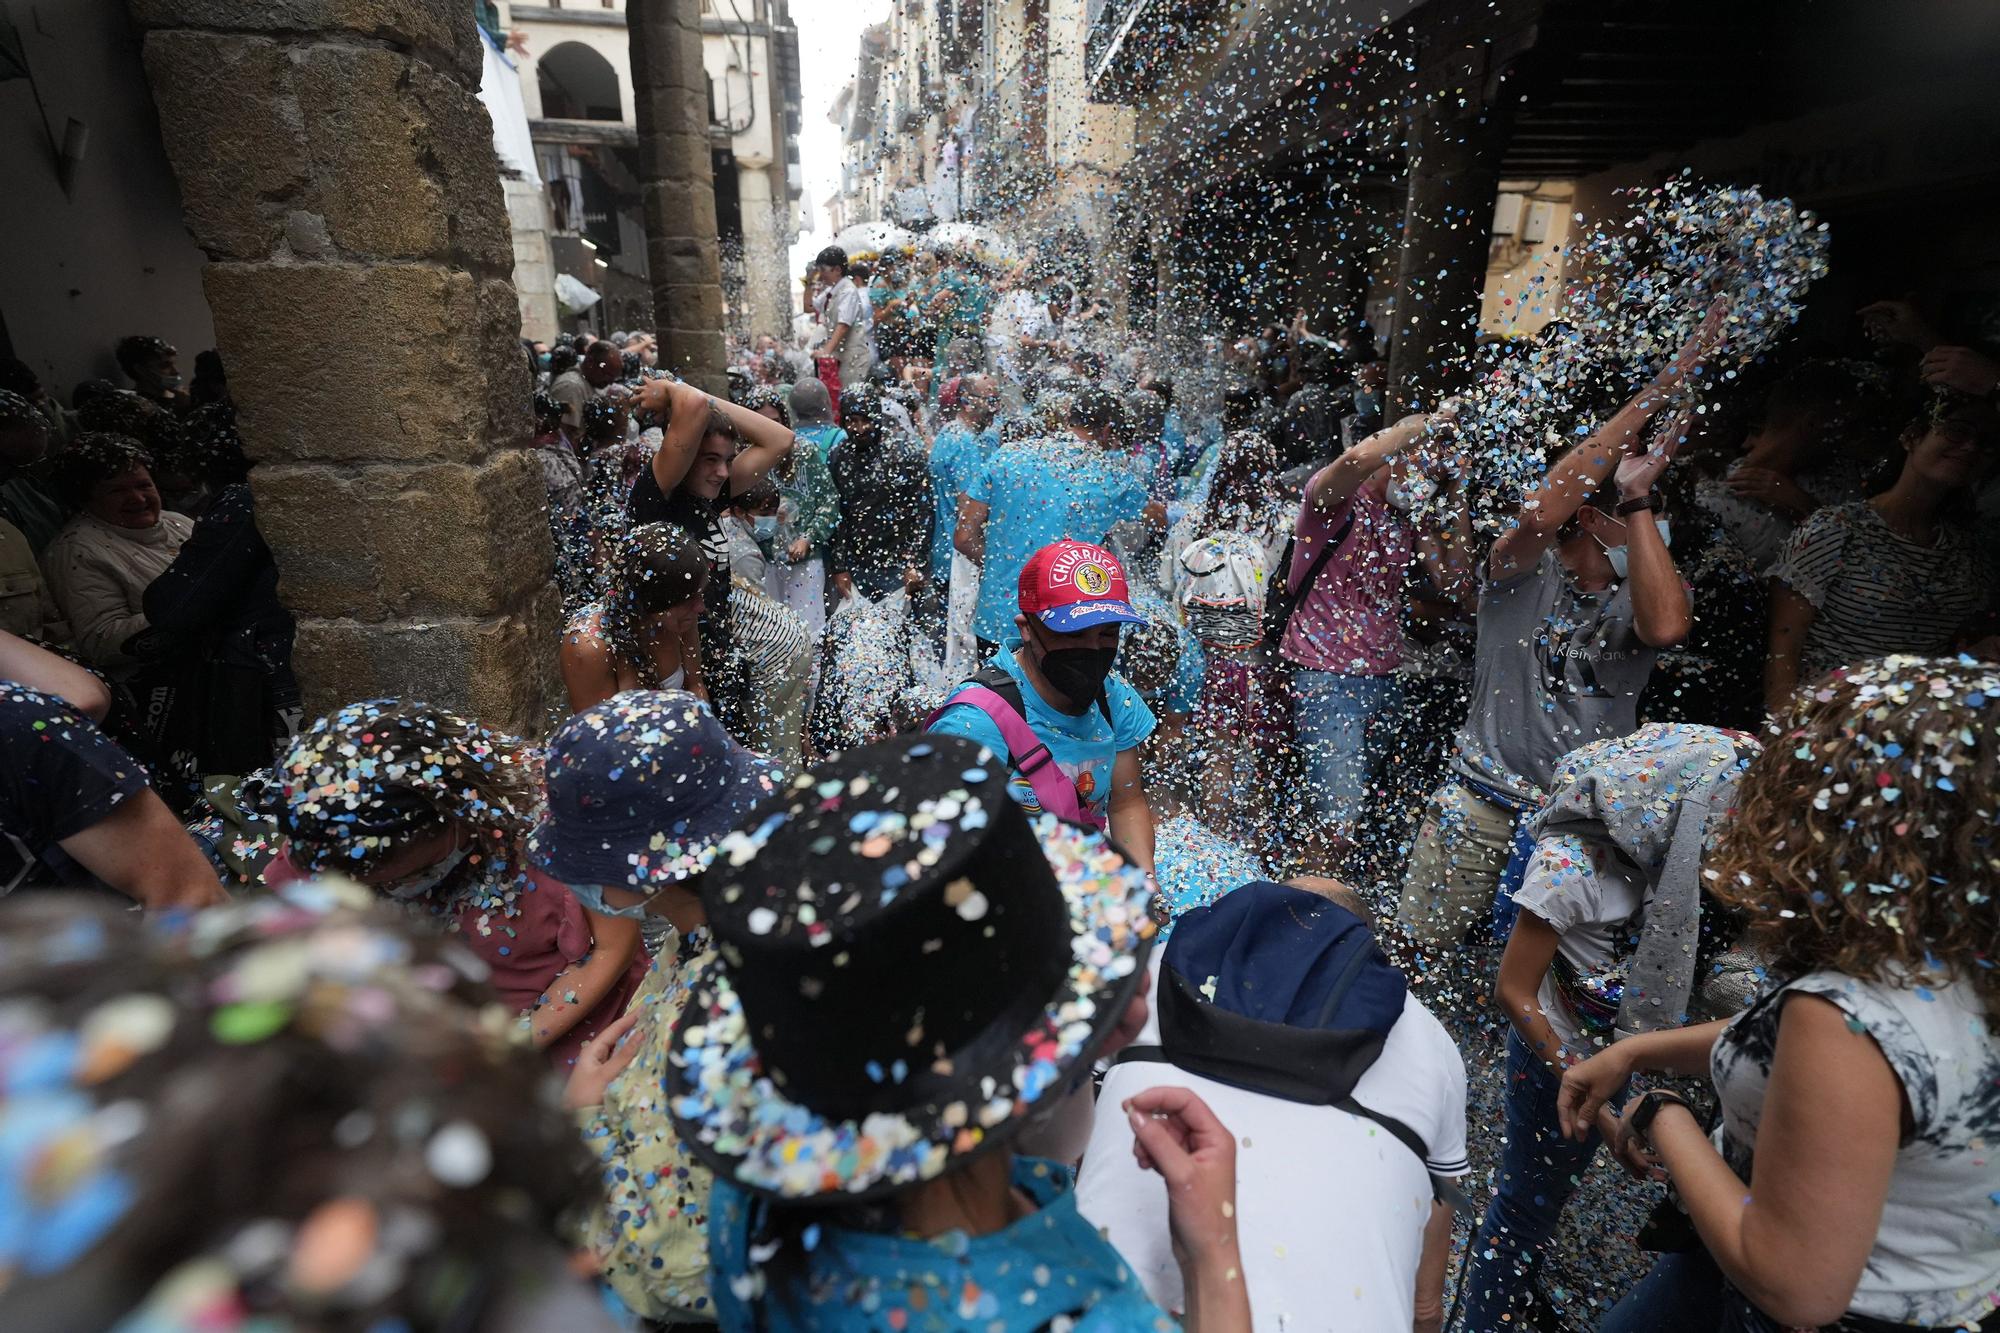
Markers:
<point>1070,586</point>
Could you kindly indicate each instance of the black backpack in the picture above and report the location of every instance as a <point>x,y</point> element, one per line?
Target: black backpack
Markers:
<point>1279,599</point>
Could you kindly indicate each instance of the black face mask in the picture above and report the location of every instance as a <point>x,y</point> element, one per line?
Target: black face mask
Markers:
<point>1077,673</point>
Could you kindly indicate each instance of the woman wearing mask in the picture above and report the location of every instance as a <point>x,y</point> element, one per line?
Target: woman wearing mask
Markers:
<point>1893,574</point>
<point>430,810</point>
<point>121,539</point>
<point>808,507</point>
<point>642,633</point>
<point>1851,1182</point>
<point>619,774</point>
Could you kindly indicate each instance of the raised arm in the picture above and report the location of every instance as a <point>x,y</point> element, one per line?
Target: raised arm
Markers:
<point>1661,612</point>
<point>1578,473</point>
<point>765,443</point>
<point>1339,480</point>
<point>685,409</point>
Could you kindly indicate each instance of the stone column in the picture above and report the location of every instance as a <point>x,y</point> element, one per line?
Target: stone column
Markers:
<point>1455,154</point>
<point>338,170</point>
<point>677,185</point>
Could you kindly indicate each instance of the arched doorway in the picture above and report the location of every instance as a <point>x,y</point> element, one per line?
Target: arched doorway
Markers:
<point>578,84</point>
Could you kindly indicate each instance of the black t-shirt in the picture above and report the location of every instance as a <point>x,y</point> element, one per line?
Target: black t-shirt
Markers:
<point>58,776</point>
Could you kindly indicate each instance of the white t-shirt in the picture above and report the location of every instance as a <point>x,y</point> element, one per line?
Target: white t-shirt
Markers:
<point>1587,893</point>
<point>1331,1206</point>
<point>847,304</point>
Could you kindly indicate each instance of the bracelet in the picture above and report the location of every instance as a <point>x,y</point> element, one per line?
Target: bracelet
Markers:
<point>1644,502</point>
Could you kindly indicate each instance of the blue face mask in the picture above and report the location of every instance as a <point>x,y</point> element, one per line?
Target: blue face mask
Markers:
<point>412,887</point>
<point>592,898</point>
<point>765,526</point>
<point>1617,556</point>
<point>542,360</point>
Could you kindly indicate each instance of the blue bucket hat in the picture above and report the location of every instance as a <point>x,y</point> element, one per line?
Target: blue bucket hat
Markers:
<point>640,789</point>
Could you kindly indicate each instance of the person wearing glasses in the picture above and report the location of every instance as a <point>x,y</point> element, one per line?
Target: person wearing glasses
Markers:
<point>1896,573</point>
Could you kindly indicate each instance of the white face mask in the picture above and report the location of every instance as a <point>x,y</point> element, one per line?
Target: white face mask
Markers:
<point>411,887</point>
<point>1616,554</point>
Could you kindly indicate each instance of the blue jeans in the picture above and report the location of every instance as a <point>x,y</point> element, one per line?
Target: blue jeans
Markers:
<point>1539,1170</point>
<point>1344,726</point>
<point>1682,1291</point>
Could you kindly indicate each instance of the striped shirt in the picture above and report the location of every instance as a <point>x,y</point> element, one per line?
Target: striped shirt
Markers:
<point>1877,592</point>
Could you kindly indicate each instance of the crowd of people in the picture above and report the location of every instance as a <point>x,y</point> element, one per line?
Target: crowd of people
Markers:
<point>1042,831</point>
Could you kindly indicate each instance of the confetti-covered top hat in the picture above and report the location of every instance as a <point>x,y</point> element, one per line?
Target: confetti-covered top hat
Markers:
<point>640,787</point>
<point>908,968</point>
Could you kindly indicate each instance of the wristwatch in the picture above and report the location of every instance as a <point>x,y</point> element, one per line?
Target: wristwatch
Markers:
<point>1640,1117</point>
<point>1644,502</point>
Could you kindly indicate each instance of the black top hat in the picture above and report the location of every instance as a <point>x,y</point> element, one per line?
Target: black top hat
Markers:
<point>908,966</point>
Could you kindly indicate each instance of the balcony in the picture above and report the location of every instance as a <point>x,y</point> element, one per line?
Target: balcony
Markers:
<point>1132,43</point>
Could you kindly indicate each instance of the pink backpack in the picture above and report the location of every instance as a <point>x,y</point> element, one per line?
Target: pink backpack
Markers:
<point>998,695</point>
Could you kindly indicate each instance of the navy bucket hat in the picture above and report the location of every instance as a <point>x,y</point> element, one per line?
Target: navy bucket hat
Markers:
<point>641,787</point>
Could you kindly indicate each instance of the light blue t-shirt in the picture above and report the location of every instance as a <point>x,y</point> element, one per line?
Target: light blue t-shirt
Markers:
<point>1084,748</point>
<point>957,456</point>
<point>1037,492</point>
<point>1051,1268</point>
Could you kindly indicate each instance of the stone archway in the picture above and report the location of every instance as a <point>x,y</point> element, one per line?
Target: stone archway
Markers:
<point>337,170</point>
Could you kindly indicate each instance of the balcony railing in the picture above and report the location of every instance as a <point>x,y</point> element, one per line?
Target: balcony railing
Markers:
<point>1132,43</point>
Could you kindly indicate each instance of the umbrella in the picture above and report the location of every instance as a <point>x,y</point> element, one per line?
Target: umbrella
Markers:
<point>872,238</point>
<point>980,240</point>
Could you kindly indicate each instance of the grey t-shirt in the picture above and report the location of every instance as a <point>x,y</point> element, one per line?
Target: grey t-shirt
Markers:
<point>1555,668</point>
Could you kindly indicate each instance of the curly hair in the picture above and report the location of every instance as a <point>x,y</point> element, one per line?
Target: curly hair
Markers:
<point>1864,841</point>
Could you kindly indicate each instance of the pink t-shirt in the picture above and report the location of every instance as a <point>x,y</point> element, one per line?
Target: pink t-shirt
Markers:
<point>548,932</point>
<point>1351,620</point>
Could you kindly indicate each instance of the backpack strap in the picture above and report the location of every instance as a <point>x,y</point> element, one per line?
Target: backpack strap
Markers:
<point>1327,549</point>
<point>1026,754</point>
<point>1444,1189</point>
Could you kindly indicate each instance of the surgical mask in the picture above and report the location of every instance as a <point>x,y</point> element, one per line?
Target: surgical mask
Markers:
<point>542,360</point>
<point>1616,554</point>
<point>170,381</point>
<point>592,898</point>
<point>1077,673</point>
<point>414,886</point>
<point>1368,404</point>
<point>765,526</point>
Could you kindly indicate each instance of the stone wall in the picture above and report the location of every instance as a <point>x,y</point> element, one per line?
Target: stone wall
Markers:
<point>337,169</point>
<point>677,184</point>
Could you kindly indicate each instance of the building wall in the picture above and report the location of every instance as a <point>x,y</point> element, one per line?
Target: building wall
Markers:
<point>745,99</point>
<point>111,257</point>
<point>549,28</point>
<point>534,268</point>
<point>740,67</point>
<point>1524,282</point>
